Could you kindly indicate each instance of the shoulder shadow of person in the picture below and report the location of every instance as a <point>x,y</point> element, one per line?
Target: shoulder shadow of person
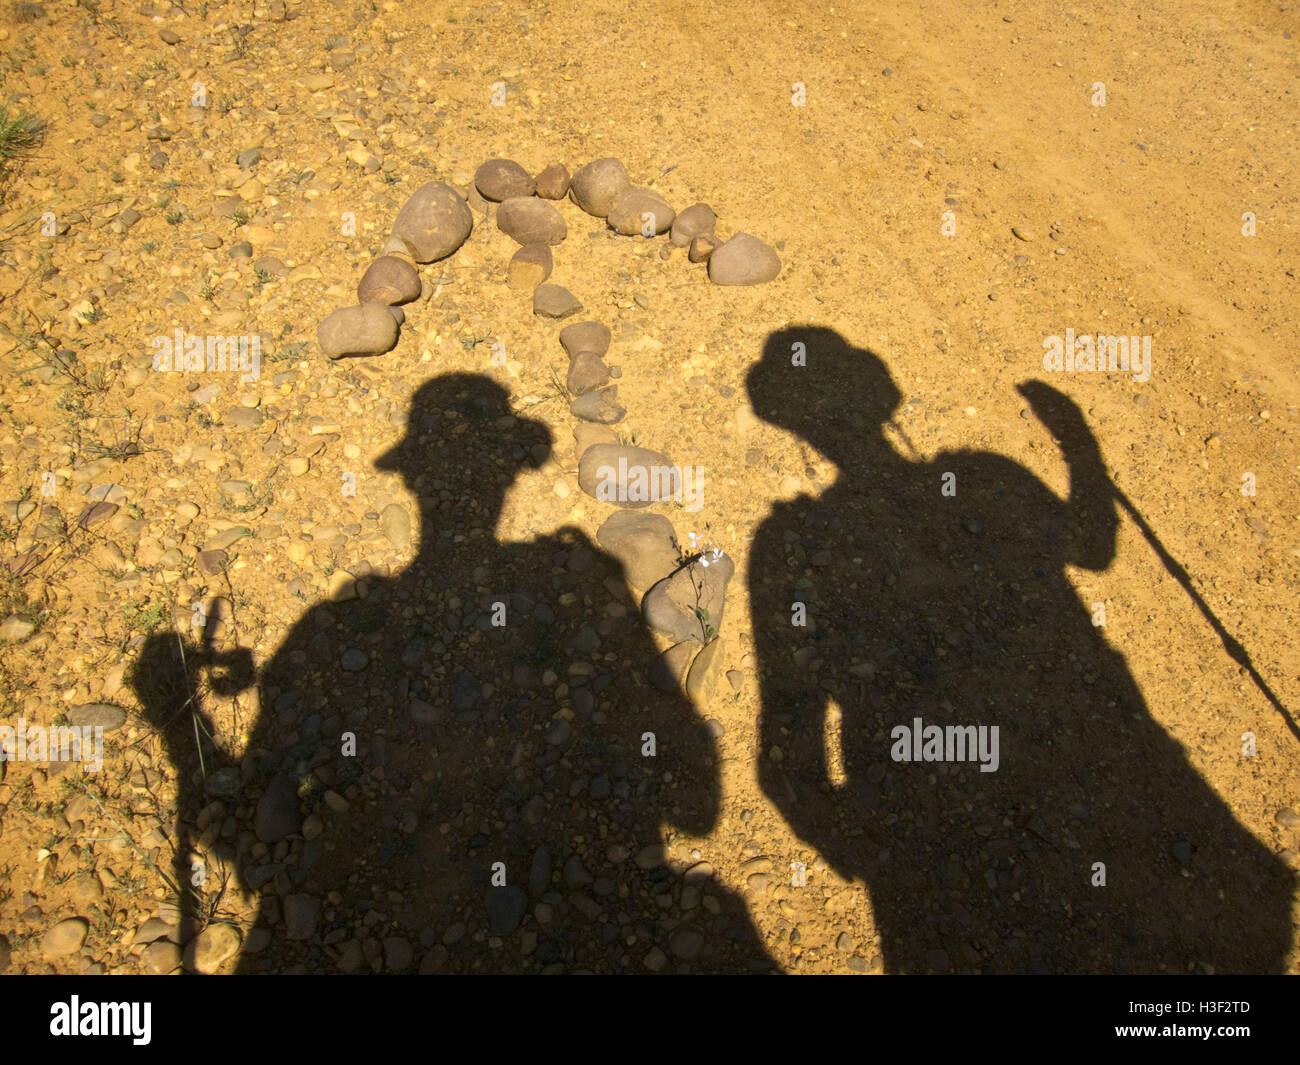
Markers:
<point>994,774</point>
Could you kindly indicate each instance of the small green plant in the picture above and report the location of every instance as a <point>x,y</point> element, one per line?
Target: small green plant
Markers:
<point>332,42</point>
<point>207,290</point>
<point>21,132</point>
<point>238,42</point>
<point>709,630</point>
<point>261,276</point>
<point>261,496</point>
<point>148,246</point>
<point>290,352</point>
<point>140,618</point>
<point>125,445</point>
<point>23,334</point>
<point>240,216</point>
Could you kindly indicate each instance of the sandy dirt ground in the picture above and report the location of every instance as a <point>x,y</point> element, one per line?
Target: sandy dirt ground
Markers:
<point>947,185</point>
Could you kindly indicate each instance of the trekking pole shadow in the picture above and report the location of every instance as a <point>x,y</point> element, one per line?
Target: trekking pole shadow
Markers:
<point>1045,406</point>
<point>167,681</point>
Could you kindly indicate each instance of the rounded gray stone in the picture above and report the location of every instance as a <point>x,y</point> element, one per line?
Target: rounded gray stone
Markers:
<point>669,668</point>
<point>622,474</point>
<point>555,301</point>
<point>389,280</point>
<point>277,814</point>
<point>674,605</point>
<point>586,373</point>
<point>601,406</point>
<point>530,266</point>
<point>553,182</point>
<point>585,336</point>
<point>367,329</point>
<point>743,260</point>
<point>395,521</point>
<point>354,660</point>
<point>645,544</point>
<point>697,220</point>
<point>502,179</point>
<point>634,209</point>
<point>595,187</point>
<point>531,221</point>
<point>433,223</point>
<point>64,938</point>
<point>97,715</point>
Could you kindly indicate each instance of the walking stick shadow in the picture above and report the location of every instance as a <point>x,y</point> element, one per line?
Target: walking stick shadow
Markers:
<point>169,680</point>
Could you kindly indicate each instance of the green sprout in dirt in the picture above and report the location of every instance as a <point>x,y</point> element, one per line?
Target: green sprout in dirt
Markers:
<point>144,619</point>
<point>23,335</point>
<point>257,498</point>
<point>21,133</point>
<point>85,382</point>
<point>559,390</point>
<point>238,42</point>
<point>290,352</point>
<point>261,276</point>
<point>126,444</point>
<point>174,216</point>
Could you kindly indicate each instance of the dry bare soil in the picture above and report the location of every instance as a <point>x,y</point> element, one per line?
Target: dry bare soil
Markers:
<point>947,186</point>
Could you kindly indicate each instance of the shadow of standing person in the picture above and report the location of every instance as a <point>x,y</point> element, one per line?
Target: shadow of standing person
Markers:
<point>464,769</point>
<point>936,609</point>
